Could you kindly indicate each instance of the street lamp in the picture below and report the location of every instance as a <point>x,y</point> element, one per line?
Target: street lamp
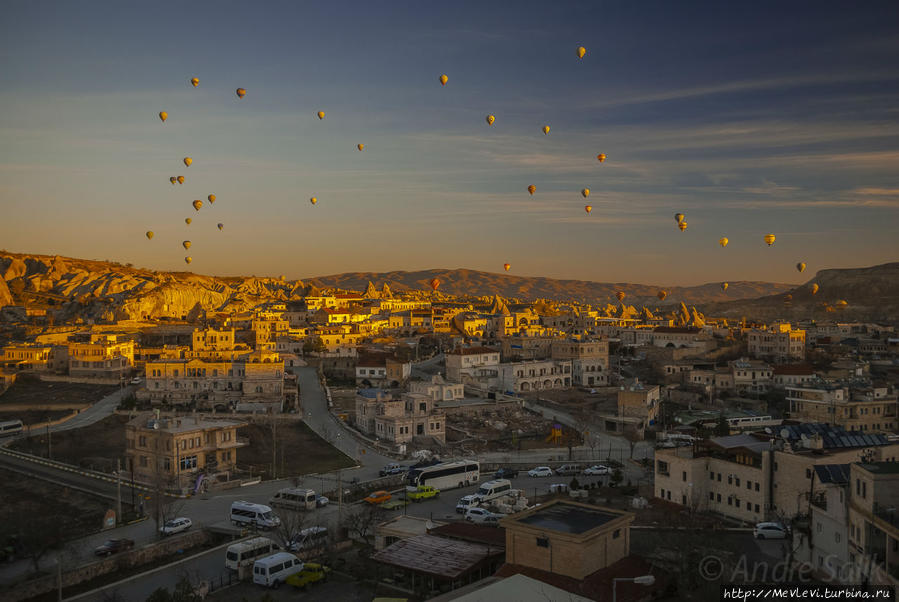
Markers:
<point>646,580</point>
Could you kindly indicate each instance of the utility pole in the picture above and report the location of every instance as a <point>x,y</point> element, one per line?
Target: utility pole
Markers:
<point>49,449</point>
<point>118,490</point>
<point>274,448</point>
<point>59,580</point>
<point>339,496</point>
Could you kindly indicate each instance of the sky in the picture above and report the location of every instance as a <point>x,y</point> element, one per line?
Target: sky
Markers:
<point>749,118</point>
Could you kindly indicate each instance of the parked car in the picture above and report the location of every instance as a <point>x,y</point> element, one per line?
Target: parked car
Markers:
<point>422,492</point>
<point>477,515</point>
<point>113,546</point>
<point>320,501</point>
<point>391,469</point>
<point>541,471</point>
<point>176,525</point>
<point>136,380</point>
<point>466,502</point>
<point>377,497</point>
<point>569,469</point>
<point>598,469</point>
<point>312,573</point>
<point>770,531</point>
<point>505,473</point>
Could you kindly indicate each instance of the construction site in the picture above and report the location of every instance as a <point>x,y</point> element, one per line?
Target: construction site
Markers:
<point>506,429</point>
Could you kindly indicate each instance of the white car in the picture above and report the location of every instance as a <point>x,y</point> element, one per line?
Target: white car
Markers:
<point>770,531</point>
<point>478,515</point>
<point>321,501</point>
<point>136,380</point>
<point>176,525</point>
<point>541,471</point>
<point>466,502</point>
<point>599,469</point>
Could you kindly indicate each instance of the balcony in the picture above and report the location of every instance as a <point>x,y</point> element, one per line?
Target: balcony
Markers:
<point>887,513</point>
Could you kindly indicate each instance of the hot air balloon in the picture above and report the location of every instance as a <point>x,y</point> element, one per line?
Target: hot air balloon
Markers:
<point>150,235</point>
<point>313,200</point>
<point>800,266</point>
<point>724,286</point>
<point>188,161</point>
<point>682,226</point>
<point>187,220</point>
<point>443,79</point>
<point>842,304</point>
<point>588,208</point>
<point>723,241</point>
<point>490,119</point>
<point>585,192</point>
<point>661,295</point>
<point>788,298</point>
<point>197,204</point>
<point>181,179</point>
<point>545,130</point>
<point>769,239</point>
<point>221,226</point>
<point>188,259</point>
<point>321,114</point>
<point>620,295</point>
<point>581,51</point>
<point>241,92</point>
<point>163,115</point>
<point>678,217</point>
<point>815,288</point>
<point>195,82</point>
<point>532,189</point>
<point>186,244</point>
<point>601,157</point>
<point>211,198</point>
<point>173,179</point>
<point>360,146</point>
<point>507,266</point>
<point>434,283</point>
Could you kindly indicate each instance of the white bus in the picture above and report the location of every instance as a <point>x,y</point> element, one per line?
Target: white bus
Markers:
<point>247,513</point>
<point>247,552</point>
<point>294,499</point>
<point>446,475</point>
<point>8,428</point>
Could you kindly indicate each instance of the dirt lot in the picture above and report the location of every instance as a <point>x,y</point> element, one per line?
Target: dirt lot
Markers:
<point>504,430</point>
<point>299,450</point>
<point>29,389</point>
<point>96,446</point>
<point>604,400</point>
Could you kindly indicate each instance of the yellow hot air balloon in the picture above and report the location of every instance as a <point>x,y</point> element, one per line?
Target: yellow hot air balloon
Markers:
<point>815,288</point>
<point>173,179</point>
<point>188,259</point>
<point>588,208</point>
<point>187,220</point>
<point>545,130</point>
<point>443,79</point>
<point>581,51</point>
<point>188,161</point>
<point>682,226</point>
<point>585,192</point>
<point>313,200</point>
<point>788,298</point>
<point>186,244</point>
<point>724,286</point>
<point>490,119</point>
<point>620,295</point>
<point>532,189</point>
<point>197,204</point>
<point>163,115</point>
<point>800,266</point>
<point>241,92</point>
<point>678,217</point>
<point>195,82</point>
<point>661,295</point>
<point>435,282</point>
<point>507,266</point>
<point>842,304</point>
<point>321,114</point>
<point>769,239</point>
<point>150,235</point>
<point>221,226</point>
<point>211,198</point>
<point>601,157</point>
<point>723,241</point>
<point>360,146</point>
<point>181,179</point>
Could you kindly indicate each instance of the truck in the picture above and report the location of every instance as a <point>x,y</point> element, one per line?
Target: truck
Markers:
<point>422,492</point>
<point>312,573</point>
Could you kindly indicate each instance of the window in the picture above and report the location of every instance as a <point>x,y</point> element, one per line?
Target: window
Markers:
<point>718,498</point>
<point>756,485</point>
<point>748,484</point>
<point>684,476</point>
<point>616,534</point>
<point>756,508</point>
<point>737,481</point>
<point>730,479</point>
<point>143,461</point>
<point>711,496</point>
<point>719,477</point>
<point>188,463</point>
<point>542,542</point>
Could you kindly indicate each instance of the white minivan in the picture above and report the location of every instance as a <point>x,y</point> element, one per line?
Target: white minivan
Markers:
<point>247,513</point>
<point>274,570</point>
<point>493,489</point>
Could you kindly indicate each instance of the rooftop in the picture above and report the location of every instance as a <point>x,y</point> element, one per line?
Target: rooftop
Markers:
<point>472,351</point>
<point>832,473</point>
<point>439,557</point>
<point>832,436</point>
<point>882,467</point>
<point>492,536</point>
<point>184,424</point>
<point>566,517</point>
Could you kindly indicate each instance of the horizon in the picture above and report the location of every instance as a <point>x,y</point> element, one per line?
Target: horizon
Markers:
<point>750,120</point>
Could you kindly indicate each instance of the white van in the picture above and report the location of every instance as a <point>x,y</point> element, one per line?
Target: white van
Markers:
<point>309,539</point>
<point>245,553</point>
<point>274,570</point>
<point>247,513</point>
<point>294,499</point>
<point>493,489</point>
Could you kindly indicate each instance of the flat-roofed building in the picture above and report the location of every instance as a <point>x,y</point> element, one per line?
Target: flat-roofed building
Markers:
<point>780,342</point>
<point>589,359</point>
<point>873,521</point>
<point>867,409</point>
<point>639,400</point>
<point>534,375</point>
<point>473,365</point>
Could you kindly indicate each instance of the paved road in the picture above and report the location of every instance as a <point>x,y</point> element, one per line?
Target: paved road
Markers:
<point>96,412</point>
<point>429,367</point>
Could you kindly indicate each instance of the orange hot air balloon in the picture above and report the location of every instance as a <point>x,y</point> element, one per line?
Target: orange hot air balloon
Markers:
<point>163,115</point>
<point>585,192</point>
<point>434,283</point>
<point>661,295</point>
<point>150,235</point>
<point>682,226</point>
<point>194,82</point>
<point>588,208</point>
<point>601,157</point>
<point>197,204</point>
<point>545,130</point>
<point>815,288</point>
<point>211,198</point>
<point>724,286</point>
<point>188,161</point>
<point>532,189</point>
<point>360,146</point>
<point>620,295</point>
<point>800,266</point>
<point>173,179</point>
<point>181,179</point>
<point>769,239</point>
<point>186,244</point>
<point>507,266</point>
<point>313,200</point>
<point>788,298</point>
<point>581,51</point>
<point>490,119</point>
<point>187,220</point>
<point>443,79</point>
<point>241,92</point>
<point>321,114</point>
<point>188,259</point>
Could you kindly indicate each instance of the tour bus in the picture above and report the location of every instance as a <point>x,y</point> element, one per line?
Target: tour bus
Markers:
<point>274,570</point>
<point>247,513</point>
<point>247,552</point>
<point>493,489</point>
<point>446,475</point>
<point>8,428</point>
<point>294,499</point>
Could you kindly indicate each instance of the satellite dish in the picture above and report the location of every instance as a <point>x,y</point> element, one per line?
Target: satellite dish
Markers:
<point>785,433</point>
<point>768,430</point>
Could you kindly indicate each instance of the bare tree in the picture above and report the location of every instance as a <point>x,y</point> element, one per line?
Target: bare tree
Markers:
<point>164,506</point>
<point>292,522</point>
<point>360,523</point>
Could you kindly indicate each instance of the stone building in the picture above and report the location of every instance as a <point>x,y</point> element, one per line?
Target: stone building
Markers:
<point>868,409</point>
<point>522,377</point>
<point>639,400</point>
<point>398,420</point>
<point>589,360</point>
<point>473,365</point>
<point>780,342</point>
